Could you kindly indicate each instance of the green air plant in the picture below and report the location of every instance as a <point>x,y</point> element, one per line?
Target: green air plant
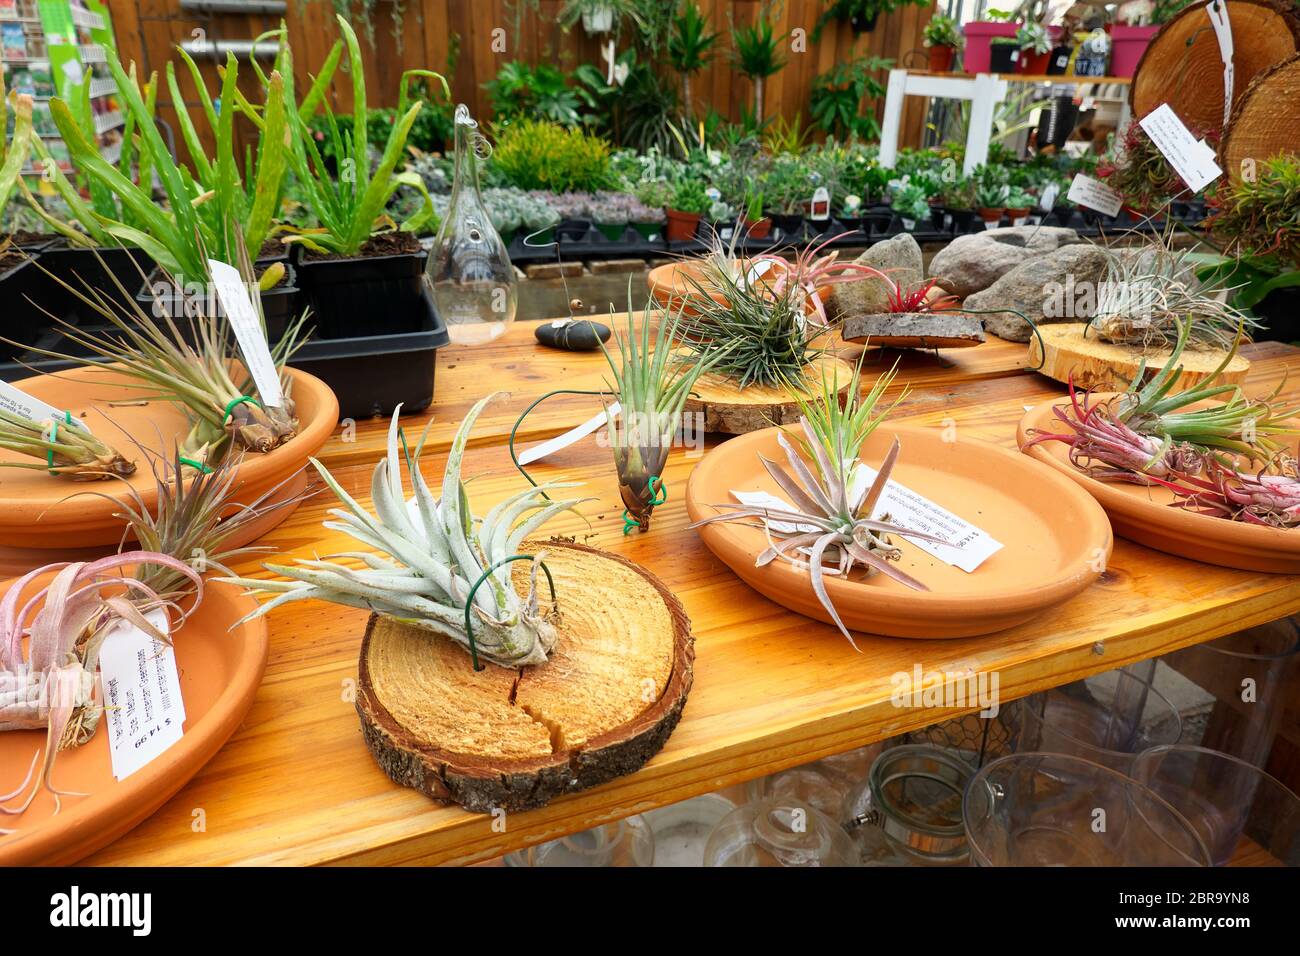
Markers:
<point>690,45</point>
<point>831,525</point>
<point>439,567</point>
<point>219,399</point>
<point>756,52</point>
<point>52,687</point>
<point>652,385</point>
<point>350,205</point>
<point>1148,432</point>
<point>13,151</point>
<point>64,448</point>
<point>1150,295</point>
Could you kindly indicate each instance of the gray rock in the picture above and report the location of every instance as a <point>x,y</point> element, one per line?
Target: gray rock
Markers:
<point>974,262</point>
<point>899,258</point>
<point>580,335</point>
<point>1047,288</point>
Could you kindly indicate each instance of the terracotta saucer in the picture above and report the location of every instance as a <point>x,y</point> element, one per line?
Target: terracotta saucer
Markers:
<point>36,511</point>
<point>1144,514</point>
<point>220,671</point>
<point>1055,538</point>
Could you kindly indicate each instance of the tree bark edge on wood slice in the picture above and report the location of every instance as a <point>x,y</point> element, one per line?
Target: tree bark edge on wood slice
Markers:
<point>733,410</point>
<point>1269,110</point>
<point>1100,366</point>
<point>915,330</point>
<point>481,783</point>
<point>1198,102</point>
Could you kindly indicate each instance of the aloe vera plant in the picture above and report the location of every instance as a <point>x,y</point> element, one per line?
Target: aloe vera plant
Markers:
<point>831,525</point>
<point>350,205</point>
<point>13,151</point>
<point>439,567</point>
<point>52,686</point>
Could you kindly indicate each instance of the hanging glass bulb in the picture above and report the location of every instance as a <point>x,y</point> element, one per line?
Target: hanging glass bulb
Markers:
<point>471,275</point>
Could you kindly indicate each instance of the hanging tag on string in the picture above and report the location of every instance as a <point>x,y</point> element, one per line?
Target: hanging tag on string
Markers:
<point>242,316</point>
<point>142,694</point>
<point>1086,191</point>
<point>1191,158</point>
<point>1218,14</point>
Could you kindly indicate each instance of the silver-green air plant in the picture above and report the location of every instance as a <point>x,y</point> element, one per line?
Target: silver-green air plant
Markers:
<point>437,566</point>
<point>831,525</point>
<point>652,383</point>
<point>63,448</point>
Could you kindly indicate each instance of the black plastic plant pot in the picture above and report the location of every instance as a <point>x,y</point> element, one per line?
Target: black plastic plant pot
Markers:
<point>106,271</point>
<point>280,305</point>
<point>1002,58</point>
<point>789,223</point>
<point>372,374</point>
<point>21,318</point>
<point>573,230</point>
<point>962,220</point>
<point>353,294</point>
<point>1280,313</point>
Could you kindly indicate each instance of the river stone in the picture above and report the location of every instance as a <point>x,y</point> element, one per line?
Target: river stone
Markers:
<point>974,262</point>
<point>580,335</point>
<point>899,258</point>
<point>1047,288</point>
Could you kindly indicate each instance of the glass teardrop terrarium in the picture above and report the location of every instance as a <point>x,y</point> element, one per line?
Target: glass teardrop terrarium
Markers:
<point>471,275</point>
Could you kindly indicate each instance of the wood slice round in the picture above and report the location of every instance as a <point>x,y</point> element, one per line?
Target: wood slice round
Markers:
<point>733,410</point>
<point>915,330</point>
<point>1107,367</point>
<point>1264,121</point>
<point>514,739</point>
<point>1182,65</point>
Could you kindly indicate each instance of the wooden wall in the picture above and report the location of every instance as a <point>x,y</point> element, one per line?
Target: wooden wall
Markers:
<point>148,30</point>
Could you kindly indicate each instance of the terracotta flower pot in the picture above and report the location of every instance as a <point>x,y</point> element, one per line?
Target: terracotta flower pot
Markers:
<point>36,511</point>
<point>759,228</point>
<point>941,58</point>
<point>681,226</point>
<point>991,217</point>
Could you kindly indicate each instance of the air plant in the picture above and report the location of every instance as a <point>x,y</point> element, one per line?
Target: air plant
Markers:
<point>67,622</point>
<point>1146,433</point>
<point>1140,173</point>
<point>64,448</point>
<point>652,385</point>
<point>831,526</point>
<point>439,568</point>
<point>1224,492</point>
<point>808,273</point>
<point>221,402</point>
<point>917,298</point>
<point>1148,292</point>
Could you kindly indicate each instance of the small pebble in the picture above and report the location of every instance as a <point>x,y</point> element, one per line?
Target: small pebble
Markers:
<point>579,335</point>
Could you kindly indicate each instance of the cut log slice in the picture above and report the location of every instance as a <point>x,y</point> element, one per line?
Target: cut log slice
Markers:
<point>1106,367</point>
<point>502,738</point>
<point>733,410</point>
<point>1182,65</point>
<point>915,330</point>
<point>1264,121</point>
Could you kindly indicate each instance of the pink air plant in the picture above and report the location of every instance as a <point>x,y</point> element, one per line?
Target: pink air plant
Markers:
<point>66,622</point>
<point>809,274</point>
<point>1223,492</point>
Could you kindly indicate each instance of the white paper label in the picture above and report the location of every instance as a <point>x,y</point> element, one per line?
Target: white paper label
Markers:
<point>1086,191</point>
<point>1218,14</point>
<point>1190,157</point>
<point>969,548</point>
<point>538,452</point>
<point>18,402</point>
<point>233,296</point>
<point>1048,199</point>
<point>142,695</point>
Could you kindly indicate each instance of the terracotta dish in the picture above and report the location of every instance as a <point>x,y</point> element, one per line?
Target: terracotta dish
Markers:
<point>1055,538</point>
<point>220,671</point>
<point>36,510</point>
<point>1144,514</point>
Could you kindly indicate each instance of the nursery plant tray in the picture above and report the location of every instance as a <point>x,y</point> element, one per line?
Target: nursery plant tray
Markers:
<point>1055,538</point>
<point>220,670</point>
<point>38,511</point>
<point>1144,514</point>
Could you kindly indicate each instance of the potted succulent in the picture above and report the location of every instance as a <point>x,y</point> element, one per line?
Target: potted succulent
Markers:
<point>598,16</point>
<point>611,213</point>
<point>1035,47</point>
<point>690,201</point>
<point>653,196</point>
<point>942,38</point>
<point>961,204</point>
<point>990,200</point>
<point>1018,204</point>
<point>910,205</point>
<point>979,36</point>
<point>757,226</point>
<point>786,189</point>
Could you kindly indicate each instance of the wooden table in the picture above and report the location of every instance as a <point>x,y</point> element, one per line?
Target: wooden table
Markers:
<point>296,784</point>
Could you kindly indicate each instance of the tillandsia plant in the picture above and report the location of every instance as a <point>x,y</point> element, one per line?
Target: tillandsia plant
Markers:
<point>831,525</point>
<point>439,567</point>
<point>349,201</point>
<point>64,448</point>
<point>1253,498</point>
<point>220,399</point>
<point>917,298</point>
<point>1146,433</point>
<point>652,385</point>
<point>1261,216</point>
<point>1139,172</point>
<point>67,621</point>
<point>808,273</point>
<point>1150,293</point>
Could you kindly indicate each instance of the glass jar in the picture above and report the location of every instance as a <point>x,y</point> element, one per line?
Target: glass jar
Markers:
<point>471,275</point>
<point>778,832</point>
<point>626,842</point>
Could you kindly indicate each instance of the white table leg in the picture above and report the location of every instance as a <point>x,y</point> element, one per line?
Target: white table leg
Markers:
<point>894,95</point>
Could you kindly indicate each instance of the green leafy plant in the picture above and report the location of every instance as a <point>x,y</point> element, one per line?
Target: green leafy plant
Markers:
<point>532,154</point>
<point>942,31</point>
<point>1261,216</point>
<point>690,47</point>
<point>861,13</point>
<point>14,150</point>
<point>1033,36</point>
<point>539,92</point>
<point>640,111</point>
<point>584,10</point>
<point>910,202</point>
<point>1139,172</point>
<point>62,448</point>
<point>756,52</point>
<point>838,95</point>
<point>690,196</point>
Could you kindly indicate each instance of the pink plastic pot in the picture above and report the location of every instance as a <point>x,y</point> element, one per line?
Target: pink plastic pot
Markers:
<point>1129,43</point>
<point>979,36</point>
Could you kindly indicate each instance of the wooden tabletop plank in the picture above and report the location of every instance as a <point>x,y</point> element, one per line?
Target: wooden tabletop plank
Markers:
<point>296,785</point>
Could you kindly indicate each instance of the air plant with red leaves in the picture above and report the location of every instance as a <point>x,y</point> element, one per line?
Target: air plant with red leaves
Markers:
<point>67,622</point>
<point>809,272</point>
<point>916,299</point>
<point>1223,492</point>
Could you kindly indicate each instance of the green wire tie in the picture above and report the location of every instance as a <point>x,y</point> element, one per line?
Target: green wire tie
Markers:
<point>236,402</point>
<point>195,464</point>
<point>658,495</point>
<point>54,437</point>
<point>469,601</point>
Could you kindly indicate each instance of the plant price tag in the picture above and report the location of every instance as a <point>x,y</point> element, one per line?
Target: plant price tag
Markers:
<point>142,695</point>
<point>17,402</point>
<point>234,299</point>
<point>1086,191</point>
<point>1190,157</point>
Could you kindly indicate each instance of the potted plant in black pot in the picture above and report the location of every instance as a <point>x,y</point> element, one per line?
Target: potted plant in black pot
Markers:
<point>911,206</point>
<point>860,15</point>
